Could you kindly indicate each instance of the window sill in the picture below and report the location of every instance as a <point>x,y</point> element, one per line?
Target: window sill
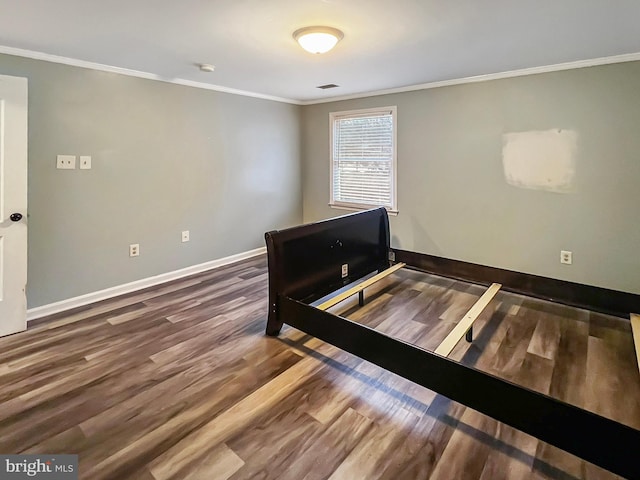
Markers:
<point>356,209</point>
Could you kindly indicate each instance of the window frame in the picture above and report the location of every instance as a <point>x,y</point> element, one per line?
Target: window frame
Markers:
<point>365,112</point>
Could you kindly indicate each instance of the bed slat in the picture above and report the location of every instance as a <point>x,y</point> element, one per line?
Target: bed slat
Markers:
<point>358,288</point>
<point>466,323</point>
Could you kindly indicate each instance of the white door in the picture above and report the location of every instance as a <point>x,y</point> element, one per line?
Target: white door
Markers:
<point>13,204</point>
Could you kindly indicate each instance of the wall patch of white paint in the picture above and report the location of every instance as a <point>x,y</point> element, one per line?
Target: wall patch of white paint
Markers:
<point>540,160</point>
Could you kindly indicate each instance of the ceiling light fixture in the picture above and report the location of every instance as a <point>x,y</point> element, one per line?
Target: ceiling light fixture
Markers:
<point>205,67</point>
<point>318,39</point>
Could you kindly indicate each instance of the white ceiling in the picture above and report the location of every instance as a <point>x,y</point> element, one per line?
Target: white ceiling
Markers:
<point>387,43</point>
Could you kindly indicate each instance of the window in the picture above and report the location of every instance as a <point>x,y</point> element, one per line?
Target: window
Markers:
<point>363,158</point>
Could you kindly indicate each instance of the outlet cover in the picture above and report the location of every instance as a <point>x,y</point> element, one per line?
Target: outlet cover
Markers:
<point>134,250</point>
<point>566,257</point>
<point>66,162</point>
<point>185,236</point>
<point>345,270</point>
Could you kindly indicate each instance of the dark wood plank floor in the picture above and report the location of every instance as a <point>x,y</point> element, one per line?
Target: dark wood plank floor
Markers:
<point>179,382</point>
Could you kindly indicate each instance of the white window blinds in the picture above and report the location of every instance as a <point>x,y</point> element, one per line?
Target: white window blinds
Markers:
<point>363,158</point>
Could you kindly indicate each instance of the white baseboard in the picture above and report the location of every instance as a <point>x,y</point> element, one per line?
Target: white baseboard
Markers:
<point>63,305</point>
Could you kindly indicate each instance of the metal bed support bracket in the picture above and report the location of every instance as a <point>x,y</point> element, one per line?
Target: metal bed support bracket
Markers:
<point>469,335</point>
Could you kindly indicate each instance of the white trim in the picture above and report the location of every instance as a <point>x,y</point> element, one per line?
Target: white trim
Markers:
<point>19,52</point>
<point>359,209</point>
<point>93,297</point>
<point>594,62</point>
<point>363,112</point>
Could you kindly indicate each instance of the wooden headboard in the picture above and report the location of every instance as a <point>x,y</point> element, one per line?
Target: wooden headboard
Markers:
<point>306,262</point>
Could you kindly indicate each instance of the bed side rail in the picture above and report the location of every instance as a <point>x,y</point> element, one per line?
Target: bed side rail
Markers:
<point>596,439</point>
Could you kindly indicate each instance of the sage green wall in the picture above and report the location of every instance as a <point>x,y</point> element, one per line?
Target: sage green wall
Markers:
<point>454,201</point>
<point>166,158</point>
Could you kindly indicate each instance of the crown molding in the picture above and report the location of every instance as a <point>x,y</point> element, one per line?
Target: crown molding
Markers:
<point>594,62</point>
<point>19,52</point>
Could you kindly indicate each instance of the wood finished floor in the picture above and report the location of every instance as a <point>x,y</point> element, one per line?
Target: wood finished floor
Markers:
<point>179,382</point>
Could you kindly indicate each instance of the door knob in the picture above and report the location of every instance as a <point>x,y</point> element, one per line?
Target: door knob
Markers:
<point>15,217</point>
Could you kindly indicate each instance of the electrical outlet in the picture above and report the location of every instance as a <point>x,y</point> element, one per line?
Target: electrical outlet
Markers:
<point>185,236</point>
<point>345,270</point>
<point>566,257</point>
<point>134,249</point>
<point>66,162</point>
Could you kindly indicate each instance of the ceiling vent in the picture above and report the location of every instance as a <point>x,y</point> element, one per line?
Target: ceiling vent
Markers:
<point>328,85</point>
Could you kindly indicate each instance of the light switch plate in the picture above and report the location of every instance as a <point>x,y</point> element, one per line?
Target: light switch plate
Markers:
<point>85,162</point>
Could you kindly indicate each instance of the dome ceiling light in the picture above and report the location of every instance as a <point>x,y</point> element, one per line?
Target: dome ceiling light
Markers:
<point>318,39</point>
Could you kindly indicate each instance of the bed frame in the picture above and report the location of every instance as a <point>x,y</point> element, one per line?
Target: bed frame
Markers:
<point>307,263</point>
